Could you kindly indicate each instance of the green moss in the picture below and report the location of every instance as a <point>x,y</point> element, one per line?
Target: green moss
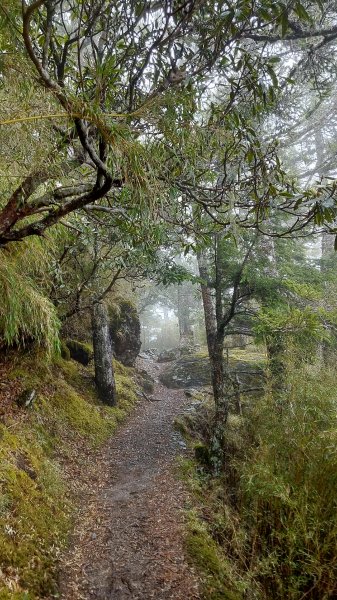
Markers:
<point>67,409</point>
<point>32,369</point>
<point>65,352</point>
<point>80,351</point>
<point>215,569</point>
<point>120,369</point>
<point>220,578</point>
<point>35,516</point>
<point>181,426</point>
<point>34,519</point>
<point>202,454</point>
<point>73,373</point>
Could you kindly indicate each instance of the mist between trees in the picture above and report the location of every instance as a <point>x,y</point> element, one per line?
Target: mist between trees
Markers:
<point>168,177</point>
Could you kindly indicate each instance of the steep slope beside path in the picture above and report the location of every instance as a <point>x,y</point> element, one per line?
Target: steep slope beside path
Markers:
<point>128,540</point>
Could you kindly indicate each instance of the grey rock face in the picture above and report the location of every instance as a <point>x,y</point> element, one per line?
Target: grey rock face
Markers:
<point>124,328</point>
<point>187,372</point>
<point>168,355</point>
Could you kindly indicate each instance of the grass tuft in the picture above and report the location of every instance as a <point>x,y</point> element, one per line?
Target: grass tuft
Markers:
<point>26,313</point>
<point>271,519</point>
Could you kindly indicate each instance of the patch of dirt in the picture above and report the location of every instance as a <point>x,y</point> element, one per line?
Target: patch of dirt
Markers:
<point>128,535</point>
<point>10,389</point>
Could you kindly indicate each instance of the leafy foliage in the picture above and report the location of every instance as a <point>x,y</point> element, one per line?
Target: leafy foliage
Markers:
<point>26,313</point>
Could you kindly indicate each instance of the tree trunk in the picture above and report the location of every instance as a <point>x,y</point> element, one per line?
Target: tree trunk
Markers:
<point>104,375</point>
<point>275,353</point>
<point>274,343</point>
<point>186,338</point>
<point>221,383</point>
<point>208,304</point>
<point>327,247</point>
<point>219,372</point>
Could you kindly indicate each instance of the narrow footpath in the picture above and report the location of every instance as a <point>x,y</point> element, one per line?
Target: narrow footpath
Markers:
<point>128,538</point>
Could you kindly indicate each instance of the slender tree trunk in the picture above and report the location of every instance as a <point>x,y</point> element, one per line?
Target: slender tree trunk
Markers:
<point>221,383</point>
<point>219,371</point>
<point>104,375</point>
<point>327,247</point>
<point>276,358</point>
<point>208,304</point>
<point>186,338</point>
<point>274,343</point>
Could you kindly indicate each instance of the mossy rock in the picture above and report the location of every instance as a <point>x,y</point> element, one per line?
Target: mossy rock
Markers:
<point>124,327</point>
<point>195,372</point>
<point>26,398</point>
<point>168,355</point>
<point>82,353</point>
<point>187,372</point>
<point>146,382</point>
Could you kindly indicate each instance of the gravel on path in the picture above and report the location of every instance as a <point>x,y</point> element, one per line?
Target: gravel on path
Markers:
<point>128,540</point>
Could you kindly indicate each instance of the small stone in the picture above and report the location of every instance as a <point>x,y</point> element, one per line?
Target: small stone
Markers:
<point>26,398</point>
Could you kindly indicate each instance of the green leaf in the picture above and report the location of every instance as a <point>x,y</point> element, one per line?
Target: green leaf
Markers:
<point>264,14</point>
<point>250,155</point>
<point>272,75</point>
<point>284,23</point>
<point>302,13</point>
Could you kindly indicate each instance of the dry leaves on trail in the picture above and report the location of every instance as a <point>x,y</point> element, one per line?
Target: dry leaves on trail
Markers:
<point>128,537</point>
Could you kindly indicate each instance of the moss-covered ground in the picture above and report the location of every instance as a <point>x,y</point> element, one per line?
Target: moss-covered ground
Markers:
<point>36,502</point>
<point>219,579</point>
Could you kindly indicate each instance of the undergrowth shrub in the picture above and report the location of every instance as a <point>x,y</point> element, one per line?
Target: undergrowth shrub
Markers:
<point>26,313</point>
<point>289,489</point>
<point>273,514</point>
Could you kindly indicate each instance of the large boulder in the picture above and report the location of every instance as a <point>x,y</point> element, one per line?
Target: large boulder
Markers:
<point>195,372</point>
<point>124,327</point>
<point>145,381</point>
<point>168,355</point>
<point>187,372</point>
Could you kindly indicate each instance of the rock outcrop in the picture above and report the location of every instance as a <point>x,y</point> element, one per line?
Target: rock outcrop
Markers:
<point>124,327</point>
<point>187,372</point>
<point>195,372</point>
<point>168,355</point>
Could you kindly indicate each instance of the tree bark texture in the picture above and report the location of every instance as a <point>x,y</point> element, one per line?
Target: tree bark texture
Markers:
<point>208,304</point>
<point>222,384</point>
<point>186,337</point>
<point>104,375</point>
<point>220,377</point>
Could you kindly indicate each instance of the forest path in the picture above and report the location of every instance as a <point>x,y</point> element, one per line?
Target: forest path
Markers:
<point>128,538</point>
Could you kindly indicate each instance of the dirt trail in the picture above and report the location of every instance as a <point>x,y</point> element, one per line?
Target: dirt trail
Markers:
<point>128,539</point>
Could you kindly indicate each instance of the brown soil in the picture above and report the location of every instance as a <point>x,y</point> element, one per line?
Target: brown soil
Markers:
<point>128,538</point>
